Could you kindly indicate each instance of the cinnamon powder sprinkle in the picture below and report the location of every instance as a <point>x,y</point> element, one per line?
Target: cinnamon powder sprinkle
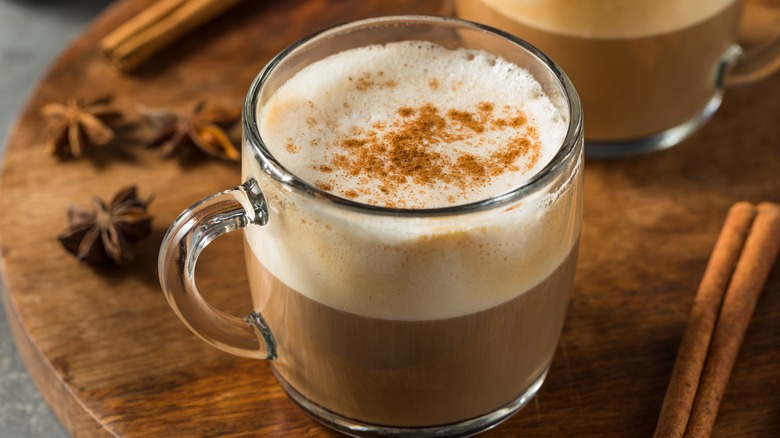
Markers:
<point>323,186</point>
<point>485,107</point>
<point>366,81</point>
<point>290,146</point>
<point>405,111</point>
<point>407,151</point>
<point>467,119</point>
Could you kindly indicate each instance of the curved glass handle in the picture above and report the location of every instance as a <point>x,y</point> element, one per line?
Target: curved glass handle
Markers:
<point>748,66</point>
<point>189,234</point>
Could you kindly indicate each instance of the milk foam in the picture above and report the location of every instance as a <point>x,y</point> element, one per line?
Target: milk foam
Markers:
<point>408,268</point>
<point>609,18</point>
<point>382,97</point>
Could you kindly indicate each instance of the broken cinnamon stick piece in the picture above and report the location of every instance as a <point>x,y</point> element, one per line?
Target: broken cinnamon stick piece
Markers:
<point>157,27</point>
<point>682,387</point>
<point>750,275</point>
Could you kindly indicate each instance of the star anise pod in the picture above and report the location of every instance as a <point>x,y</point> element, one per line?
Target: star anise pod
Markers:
<point>102,236</point>
<point>74,125</point>
<point>205,130</point>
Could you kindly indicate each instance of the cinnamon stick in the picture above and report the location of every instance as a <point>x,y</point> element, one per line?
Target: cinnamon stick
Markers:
<point>696,339</point>
<point>752,270</point>
<point>156,28</point>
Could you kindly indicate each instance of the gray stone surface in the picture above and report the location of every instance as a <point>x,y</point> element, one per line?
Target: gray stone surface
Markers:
<point>32,33</point>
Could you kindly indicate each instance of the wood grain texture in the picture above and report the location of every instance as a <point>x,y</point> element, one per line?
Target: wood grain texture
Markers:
<point>111,358</point>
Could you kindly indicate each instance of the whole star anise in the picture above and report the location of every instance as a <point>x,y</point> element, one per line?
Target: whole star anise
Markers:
<point>102,236</point>
<point>205,130</point>
<point>74,125</point>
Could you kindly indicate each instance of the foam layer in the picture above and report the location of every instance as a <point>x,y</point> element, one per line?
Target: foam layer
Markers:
<point>609,18</point>
<point>407,268</point>
<point>372,125</point>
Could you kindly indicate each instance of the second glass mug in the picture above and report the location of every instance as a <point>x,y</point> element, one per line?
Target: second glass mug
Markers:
<point>396,370</point>
<point>649,72</point>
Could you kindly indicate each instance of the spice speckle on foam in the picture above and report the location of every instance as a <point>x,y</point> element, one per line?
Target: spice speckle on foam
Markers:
<point>365,127</point>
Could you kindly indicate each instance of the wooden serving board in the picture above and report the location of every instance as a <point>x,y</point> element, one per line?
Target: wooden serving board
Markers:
<point>111,358</point>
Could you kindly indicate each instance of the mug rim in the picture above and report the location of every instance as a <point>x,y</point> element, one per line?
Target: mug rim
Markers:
<point>571,145</point>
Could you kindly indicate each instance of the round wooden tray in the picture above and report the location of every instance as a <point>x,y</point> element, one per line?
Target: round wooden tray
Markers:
<point>111,358</point>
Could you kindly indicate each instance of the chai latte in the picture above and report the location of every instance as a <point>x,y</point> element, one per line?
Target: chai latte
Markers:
<point>407,320</point>
<point>640,66</point>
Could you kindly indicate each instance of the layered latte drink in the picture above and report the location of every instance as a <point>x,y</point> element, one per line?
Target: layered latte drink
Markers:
<point>640,66</point>
<point>413,302</point>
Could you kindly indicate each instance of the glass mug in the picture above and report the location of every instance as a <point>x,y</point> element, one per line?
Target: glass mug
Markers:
<point>649,72</point>
<point>407,364</point>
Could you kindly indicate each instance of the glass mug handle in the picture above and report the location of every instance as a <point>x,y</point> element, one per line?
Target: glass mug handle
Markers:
<point>756,63</point>
<point>189,234</point>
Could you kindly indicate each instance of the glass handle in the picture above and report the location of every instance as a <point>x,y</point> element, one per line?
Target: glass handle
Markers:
<point>748,66</point>
<point>189,234</point>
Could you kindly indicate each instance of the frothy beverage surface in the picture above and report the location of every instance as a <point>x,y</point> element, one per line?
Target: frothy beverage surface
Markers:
<point>412,125</point>
<point>609,18</point>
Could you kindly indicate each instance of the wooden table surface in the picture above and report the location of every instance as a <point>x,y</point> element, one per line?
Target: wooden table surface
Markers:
<point>111,358</point>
